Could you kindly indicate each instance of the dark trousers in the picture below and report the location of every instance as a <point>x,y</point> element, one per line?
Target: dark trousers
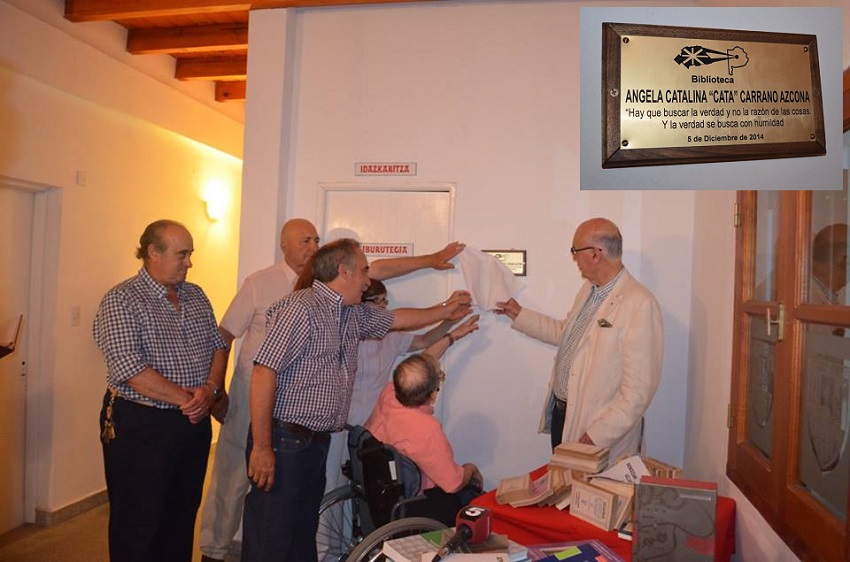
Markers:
<point>441,505</point>
<point>559,411</point>
<point>281,524</point>
<point>155,470</point>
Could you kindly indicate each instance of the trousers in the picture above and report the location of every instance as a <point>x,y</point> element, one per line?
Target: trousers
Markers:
<point>155,468</point>
<point>225,499</point>
<point>281,524</point>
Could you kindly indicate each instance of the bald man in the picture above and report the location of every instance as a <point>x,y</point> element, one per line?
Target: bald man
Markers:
<point>610,347</point>
<point>246,316</point>
<point>829,265</point>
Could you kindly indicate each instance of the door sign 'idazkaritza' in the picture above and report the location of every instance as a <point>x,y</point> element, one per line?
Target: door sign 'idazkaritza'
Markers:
<point>679,95</point>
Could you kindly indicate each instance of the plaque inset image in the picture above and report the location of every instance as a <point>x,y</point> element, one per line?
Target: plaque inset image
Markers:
<point>681,95</point>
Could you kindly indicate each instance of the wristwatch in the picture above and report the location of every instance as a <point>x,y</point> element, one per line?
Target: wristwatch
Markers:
<point>216,392</point>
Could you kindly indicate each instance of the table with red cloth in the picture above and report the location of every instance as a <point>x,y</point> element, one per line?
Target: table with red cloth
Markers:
<point>538,525</point>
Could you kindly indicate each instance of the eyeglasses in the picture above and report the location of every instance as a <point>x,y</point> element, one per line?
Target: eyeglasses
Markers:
<point>378,299</point>
<point>574,250</point>
<point>442,380</point>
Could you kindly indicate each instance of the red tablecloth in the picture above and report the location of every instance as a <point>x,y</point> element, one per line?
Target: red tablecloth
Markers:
<point>536,525</point>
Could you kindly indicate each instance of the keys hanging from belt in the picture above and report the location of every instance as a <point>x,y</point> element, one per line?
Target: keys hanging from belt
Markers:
<point>107,431</point>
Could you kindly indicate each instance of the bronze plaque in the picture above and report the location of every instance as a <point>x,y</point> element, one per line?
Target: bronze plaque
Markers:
<point>682,95</point>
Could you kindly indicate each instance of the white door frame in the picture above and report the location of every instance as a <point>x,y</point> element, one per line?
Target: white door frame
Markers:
<point>45,238</point>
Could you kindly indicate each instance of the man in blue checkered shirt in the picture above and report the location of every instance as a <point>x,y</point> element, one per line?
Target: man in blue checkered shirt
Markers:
<point>165,367</point>
<point>301,389</point>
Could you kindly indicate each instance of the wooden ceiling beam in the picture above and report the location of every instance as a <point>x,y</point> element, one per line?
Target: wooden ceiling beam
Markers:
<point>232,68</point>
<point>199,39</point>
<point>102,10</point>
<point>230,91</point>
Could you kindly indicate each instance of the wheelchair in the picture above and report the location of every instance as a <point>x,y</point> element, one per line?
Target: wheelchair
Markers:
<point>355,519</point>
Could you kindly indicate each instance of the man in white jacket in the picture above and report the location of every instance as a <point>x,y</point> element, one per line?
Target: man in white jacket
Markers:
<point>610,347</point>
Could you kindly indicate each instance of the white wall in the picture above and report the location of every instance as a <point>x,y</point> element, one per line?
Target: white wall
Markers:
<point>135,172</point>
<point>486,95</point>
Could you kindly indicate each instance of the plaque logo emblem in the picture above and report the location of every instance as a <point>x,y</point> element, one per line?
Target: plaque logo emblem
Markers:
<point>696,55</point>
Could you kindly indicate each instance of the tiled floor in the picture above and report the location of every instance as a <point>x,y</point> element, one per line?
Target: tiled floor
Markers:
<point>80,539</point>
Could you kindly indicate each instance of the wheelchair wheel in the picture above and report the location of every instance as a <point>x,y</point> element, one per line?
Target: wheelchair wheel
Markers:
<point>369,549</point>
<point>339,528</point>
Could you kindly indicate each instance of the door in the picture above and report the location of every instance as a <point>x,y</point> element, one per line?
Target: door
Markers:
<point>419,218</point>
<point>16,216</point>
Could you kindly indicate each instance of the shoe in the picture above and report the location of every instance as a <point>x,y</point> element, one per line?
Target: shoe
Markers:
<point>205,558</point>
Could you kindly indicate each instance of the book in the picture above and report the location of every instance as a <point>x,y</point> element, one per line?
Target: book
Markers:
<point>541,489</point>
<point>626,531</point>
<point>10,329</point>
<point>594,505</point>
<point>412,548</point>
<point>465,557</point>
<point>573,551</point>
<point>674,520</point>
<point>661,469</point>
<point>625,498</point>
<point>629,470</point>
<point>515,488</point>
<point>561,482</point>
<point>580,456</point>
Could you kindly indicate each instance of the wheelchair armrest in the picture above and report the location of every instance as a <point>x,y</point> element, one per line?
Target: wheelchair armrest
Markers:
<point>399,509</point>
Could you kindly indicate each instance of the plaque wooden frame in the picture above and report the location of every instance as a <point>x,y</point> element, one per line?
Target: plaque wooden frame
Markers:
<point>515,260</point>
<point>614,155</point>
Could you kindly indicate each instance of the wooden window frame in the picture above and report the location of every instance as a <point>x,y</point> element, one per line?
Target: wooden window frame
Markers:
<point>772,484</point>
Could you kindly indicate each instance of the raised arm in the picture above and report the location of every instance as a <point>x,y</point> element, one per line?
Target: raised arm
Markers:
<point>454,308</point>
<point>437,341</point>
<point>395,267</point>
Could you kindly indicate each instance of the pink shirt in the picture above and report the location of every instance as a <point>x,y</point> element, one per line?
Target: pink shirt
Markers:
<point>415,433</point>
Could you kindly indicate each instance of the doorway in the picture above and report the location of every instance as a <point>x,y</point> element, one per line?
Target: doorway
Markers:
<point>16,225</point>
<point>416,218</point>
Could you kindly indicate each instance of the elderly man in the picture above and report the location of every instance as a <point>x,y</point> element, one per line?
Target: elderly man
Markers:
<point>165,367</point>
<point>404,418</point>
<point>246,317</point>
<point>610,347</point>
<point>301,388</point>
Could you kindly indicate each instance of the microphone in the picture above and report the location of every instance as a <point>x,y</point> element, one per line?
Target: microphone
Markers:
<point>471,525</point>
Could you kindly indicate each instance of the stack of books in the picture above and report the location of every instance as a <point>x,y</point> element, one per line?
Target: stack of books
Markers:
<point>582,457</point>
<point>551,488</point>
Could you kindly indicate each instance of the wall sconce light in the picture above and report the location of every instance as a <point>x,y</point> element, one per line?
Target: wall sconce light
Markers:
<point>217,198</point>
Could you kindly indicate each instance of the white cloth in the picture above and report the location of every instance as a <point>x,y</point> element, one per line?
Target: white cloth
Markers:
<point>489,280</point>
<point>229,484</point>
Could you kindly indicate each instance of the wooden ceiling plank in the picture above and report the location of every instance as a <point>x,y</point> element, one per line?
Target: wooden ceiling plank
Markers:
<point>235,68</point>
<point>230,91</point>
<point>199,39</point>
<point>100,10</point>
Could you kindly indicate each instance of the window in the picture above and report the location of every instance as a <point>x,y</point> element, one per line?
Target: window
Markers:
<point>790,406</point>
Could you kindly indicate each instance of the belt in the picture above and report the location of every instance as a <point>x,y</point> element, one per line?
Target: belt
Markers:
<point>559,404</point>
<point>302,431</point>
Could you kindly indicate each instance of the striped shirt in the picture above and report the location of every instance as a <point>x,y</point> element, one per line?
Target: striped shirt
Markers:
<point>312,346</point>
<point>587,312</point>
<point>137,327</point>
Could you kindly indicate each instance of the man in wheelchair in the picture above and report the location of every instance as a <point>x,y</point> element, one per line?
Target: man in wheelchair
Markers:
<point>404,418</point>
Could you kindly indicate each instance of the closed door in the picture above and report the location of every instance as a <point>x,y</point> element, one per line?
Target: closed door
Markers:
<point>16,213</point>
<point>416,219</point>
